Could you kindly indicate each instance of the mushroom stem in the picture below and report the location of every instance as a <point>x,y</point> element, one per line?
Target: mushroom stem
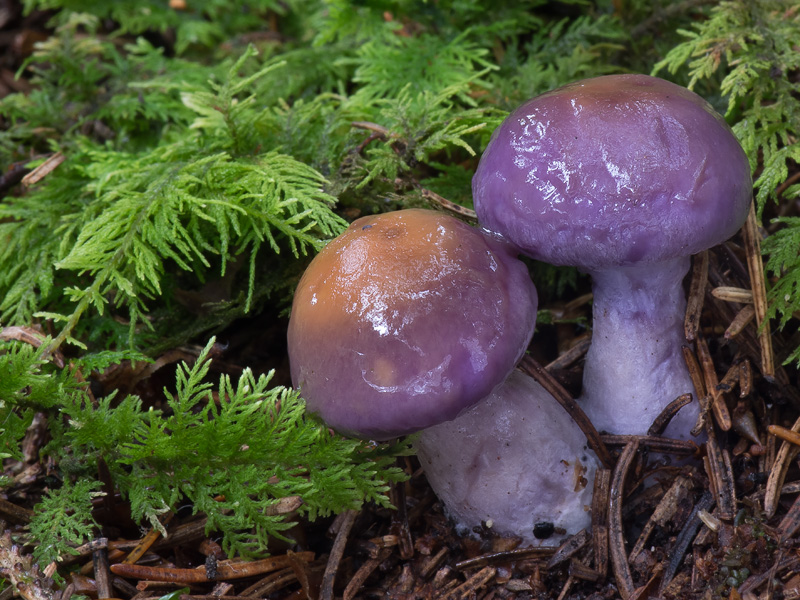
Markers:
<point>515,462</point>
<point>638,333</point>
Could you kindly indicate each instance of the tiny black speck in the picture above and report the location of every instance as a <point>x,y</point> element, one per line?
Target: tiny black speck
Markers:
<point>543,530</point>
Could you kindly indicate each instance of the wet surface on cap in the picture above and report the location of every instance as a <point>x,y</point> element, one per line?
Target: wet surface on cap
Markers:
<point>406,320</point>
<point>614,170</point>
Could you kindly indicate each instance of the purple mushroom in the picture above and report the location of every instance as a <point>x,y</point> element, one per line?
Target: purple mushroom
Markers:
<point>623,176</point>
<point>413,321</point>
<point>406,320</point>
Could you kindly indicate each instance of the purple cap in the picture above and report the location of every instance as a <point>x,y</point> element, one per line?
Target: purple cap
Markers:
<point>613,171</point>
<point>406,320</point>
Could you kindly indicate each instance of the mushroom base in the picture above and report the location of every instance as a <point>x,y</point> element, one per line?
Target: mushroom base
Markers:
<point>513,461</point>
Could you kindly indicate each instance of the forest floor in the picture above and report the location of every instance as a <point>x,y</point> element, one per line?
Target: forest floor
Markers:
<point>670,519</point>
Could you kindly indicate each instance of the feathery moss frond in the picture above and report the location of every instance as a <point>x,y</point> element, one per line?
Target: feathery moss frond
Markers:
<point>63,520</point>
<point>183,201</point>
<point>754,45</point>
<point>249,443</point>
<point>420,64</point>
<point>254,446</point>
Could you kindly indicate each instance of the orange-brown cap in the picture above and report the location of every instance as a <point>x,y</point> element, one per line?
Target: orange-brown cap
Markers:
<point>405,320</point>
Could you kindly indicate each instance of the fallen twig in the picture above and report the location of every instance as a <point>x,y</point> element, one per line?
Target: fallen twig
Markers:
<point>101,572</point>
<point>600,497</point>
<point>348,518</point>
<point>670,410</point>
<point>147,541</point>
<point>616,534</point>
<point>224,570</point>
<point>694,302</point>
<point>716,400</point>
<point>495,558</point>
<point>699,385</point>
<point>777,474</point>
<point>363,572</point>
<point>740,321</point>
<point>447,204</point>
<point>571,356</point>
<point>755,266</point>
<point>471,585</point>
<point>664,511</point>
<point>548,382</point>
<point>44,169</point>
<point>685,538</point>
<point>720,473</point>
<point>728,293</point>
<point>653,443</point>
<point>20,571</point>
<point>271,583</point>
<point>400,526</point>
<point>569,548</point>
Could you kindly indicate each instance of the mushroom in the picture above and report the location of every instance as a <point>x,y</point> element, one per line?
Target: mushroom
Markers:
<point>406,320</point>
<point>623,176</point>
<point>412,321</point>
<point>515,463</point>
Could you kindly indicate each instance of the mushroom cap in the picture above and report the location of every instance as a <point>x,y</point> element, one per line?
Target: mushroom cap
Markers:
<point>405,320</point>
<point>615,170</point>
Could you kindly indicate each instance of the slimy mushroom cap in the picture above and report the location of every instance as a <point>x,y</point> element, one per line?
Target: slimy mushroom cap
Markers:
<point>406,320</point>
<point>613,171</point>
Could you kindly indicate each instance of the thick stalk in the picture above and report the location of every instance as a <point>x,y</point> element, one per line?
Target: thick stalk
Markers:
<point>635,366</point>
<point>513,461</point>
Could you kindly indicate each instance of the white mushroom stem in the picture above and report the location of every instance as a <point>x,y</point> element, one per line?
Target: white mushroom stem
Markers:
<point>635,365</point>
<point>514,460</point>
